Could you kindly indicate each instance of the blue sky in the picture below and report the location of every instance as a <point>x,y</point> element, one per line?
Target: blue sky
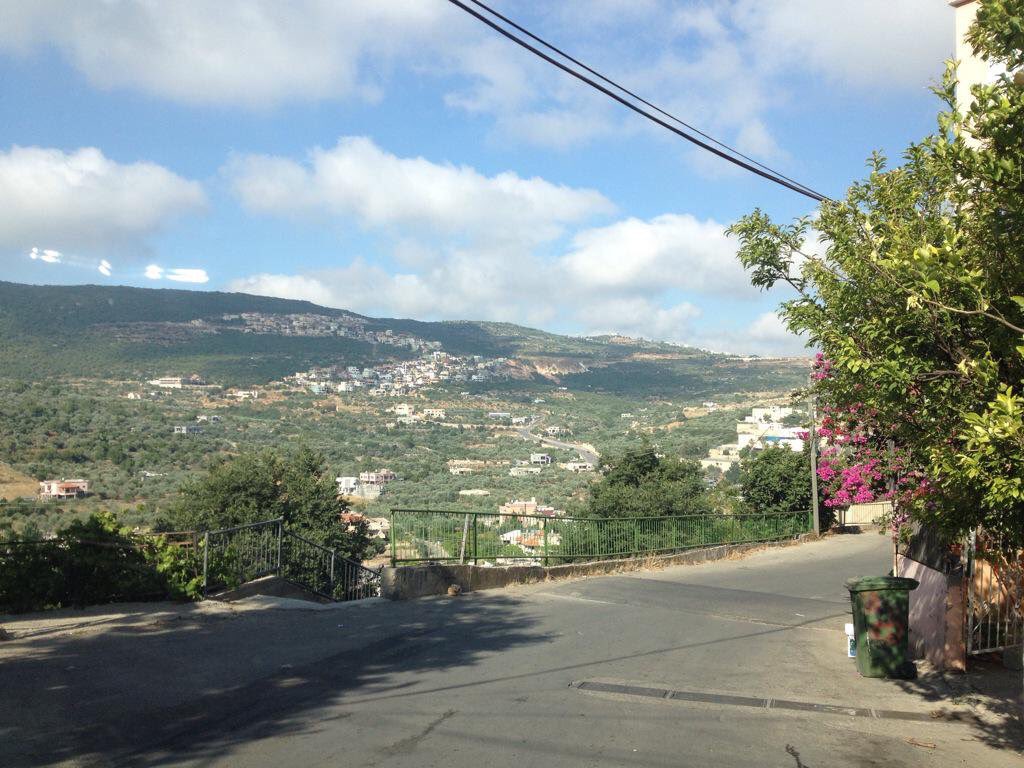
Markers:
<point>397,158</point>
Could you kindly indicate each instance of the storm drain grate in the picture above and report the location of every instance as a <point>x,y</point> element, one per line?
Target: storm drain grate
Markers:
<point>769,703</point>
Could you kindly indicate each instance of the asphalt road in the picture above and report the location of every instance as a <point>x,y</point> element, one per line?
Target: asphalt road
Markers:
<point>585,453</point>
<point>521,677</point>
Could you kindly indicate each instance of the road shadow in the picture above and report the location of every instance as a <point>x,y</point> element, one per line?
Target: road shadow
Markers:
<point>992,691</point>
<point>194,687</point>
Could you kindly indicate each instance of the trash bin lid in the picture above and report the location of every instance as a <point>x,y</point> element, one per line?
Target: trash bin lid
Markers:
<point>880,583</point>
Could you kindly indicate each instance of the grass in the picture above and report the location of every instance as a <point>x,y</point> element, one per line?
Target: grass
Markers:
<point>14,484</point>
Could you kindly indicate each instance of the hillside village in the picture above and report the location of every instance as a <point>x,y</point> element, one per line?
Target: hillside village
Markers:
<point>763,428</point>
<point>322,326</point>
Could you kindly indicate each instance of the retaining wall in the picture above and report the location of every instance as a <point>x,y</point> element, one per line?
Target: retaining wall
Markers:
<point>412,581</point>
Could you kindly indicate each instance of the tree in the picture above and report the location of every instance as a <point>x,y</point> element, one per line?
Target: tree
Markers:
<point>264,486</point>
<point>639,484</point>
<point>777,480</point>
<point>915,296</point>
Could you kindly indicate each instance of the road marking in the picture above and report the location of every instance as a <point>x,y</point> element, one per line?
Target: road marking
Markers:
<point>560,596</point>
<point>941,715</point>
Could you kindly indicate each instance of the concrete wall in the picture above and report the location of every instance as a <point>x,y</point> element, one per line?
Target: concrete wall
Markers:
<point>412,581</point>
<point>936,615</point>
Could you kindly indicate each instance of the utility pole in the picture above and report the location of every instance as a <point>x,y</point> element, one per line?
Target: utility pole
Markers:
<point>813,436</point>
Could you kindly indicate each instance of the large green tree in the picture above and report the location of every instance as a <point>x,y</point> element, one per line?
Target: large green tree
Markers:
<point>266,485</point>
<point>776,481</point>
<point>640,484</point>
<point>914,292</point>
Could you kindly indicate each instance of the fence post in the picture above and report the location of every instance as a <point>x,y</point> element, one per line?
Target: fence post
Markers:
<point>546,560</point>
<point>391,532</point>
<point>332,571</point>
<point>475,518</point>
<point>206,560</point>
<point>280,536</point>
<point>465,535</point>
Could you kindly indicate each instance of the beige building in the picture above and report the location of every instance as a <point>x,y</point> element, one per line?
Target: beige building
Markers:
<point>63,489</point>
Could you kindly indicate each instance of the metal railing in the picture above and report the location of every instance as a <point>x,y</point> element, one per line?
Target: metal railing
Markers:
<point>424,535</point>
<point>995,592</point>
<point>244,553</point>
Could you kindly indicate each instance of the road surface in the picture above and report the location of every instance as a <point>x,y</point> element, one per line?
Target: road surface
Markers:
<point>585,452</point>
<point>573,673</point>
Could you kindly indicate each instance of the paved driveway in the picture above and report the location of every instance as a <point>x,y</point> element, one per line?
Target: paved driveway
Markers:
<point>737,663</point>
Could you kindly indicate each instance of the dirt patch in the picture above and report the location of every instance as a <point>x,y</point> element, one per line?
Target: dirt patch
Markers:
<point>14,484</point>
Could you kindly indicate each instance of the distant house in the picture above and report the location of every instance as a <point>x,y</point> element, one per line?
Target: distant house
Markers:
<point>434,413</point>
<point>168,382</point>
<point>553,431</point>
<point>461,469</point>
<point>524,471</point>
<point>346,485</point>
<point>540,458</point>
<point>404,409</point>
<point>188,429</point>
<point>578,466</point>
<point>380,477</point>
<point>519,419</point>
<point>244,394</point>
<point>63,489</point>
<point>499,415</point>
<point>518,507</point>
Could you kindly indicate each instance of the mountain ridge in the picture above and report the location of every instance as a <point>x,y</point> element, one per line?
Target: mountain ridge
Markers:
<point>126,331</point>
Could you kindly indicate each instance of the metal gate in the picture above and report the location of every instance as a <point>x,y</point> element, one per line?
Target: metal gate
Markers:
<point>995,591</point>
<point>244,553</point>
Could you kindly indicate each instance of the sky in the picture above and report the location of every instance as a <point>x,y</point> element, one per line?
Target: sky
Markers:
<point>399,159</point>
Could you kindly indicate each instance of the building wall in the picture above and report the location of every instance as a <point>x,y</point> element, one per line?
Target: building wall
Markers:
<point>971,70</point>
<point>865,514</point>
<point>927,611</point>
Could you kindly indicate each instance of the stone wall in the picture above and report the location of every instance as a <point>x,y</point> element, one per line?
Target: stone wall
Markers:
<point>412,581</point>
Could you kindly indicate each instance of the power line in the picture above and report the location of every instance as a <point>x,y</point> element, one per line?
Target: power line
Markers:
<point>727,153</point>
<point>639,98</point>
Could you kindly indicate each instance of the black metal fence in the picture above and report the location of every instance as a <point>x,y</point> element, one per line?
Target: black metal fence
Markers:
<point>244,553</point>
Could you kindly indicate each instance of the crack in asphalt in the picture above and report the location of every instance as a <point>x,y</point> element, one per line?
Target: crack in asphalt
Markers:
<point>408,744</point>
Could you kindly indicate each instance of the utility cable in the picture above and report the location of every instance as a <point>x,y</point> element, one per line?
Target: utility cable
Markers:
<point>639,98</point>
<point>736,158</point>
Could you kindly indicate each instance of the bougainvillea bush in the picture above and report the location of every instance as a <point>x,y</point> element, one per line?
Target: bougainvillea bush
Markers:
<point>912,288</point>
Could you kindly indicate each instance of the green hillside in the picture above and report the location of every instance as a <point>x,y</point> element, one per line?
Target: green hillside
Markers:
<point>123,332</point>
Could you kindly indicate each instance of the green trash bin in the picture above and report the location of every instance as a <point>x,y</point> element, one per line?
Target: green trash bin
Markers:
<point>881,622</point>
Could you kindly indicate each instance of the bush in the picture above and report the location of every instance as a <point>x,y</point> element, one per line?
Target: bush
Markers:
<point>91,562</point>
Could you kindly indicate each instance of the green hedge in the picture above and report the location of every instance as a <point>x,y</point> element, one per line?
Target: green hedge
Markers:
<point>91,562</point>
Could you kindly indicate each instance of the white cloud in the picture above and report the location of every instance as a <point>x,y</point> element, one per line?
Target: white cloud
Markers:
<point>722,65</point>
<point>668,251</point>
<point>489,247</point>
<point>357,178</point>
<point>177,274</point>
<point>869,43</point>
<point>48,255</point>
<point>640,317</point>
<point>241,52</point>
<point>765,335</point>
<point>183,275</point>
<point>82,199</point>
